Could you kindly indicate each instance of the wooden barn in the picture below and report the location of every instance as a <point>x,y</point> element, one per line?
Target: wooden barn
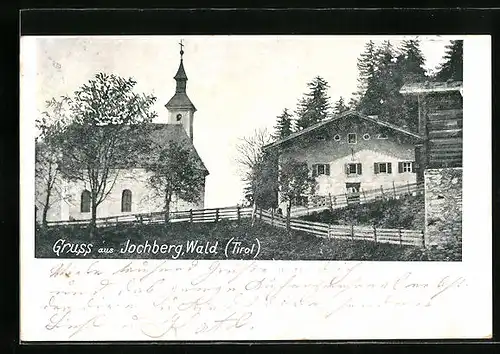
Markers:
<point>440,123</point>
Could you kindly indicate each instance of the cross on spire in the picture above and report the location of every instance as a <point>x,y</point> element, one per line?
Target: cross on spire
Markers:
<point>182,46</point>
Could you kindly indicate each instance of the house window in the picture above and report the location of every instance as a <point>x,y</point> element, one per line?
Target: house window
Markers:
<point>336,137</point>
<point>321,169</point>
<point>126,200</point>
<point>366,136</point>
<point>382,167</point>
<point>351,138</point>
<point>406,166</point>
<point>85,202</point>
<point>353,169</point>
<point>382,136</point>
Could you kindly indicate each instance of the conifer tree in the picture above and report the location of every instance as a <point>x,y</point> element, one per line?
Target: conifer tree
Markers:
<point>315,105</point>
<point>340,106</point>
<point>353,103</point>
<point>366,68</point>
<point>452,67</point>
<point>380,83</point>
<point>283,127</point>
<point>383,70</point>
<point>411,62</point>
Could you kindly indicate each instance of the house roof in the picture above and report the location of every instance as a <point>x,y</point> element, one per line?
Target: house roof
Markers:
<point>337,118</point>
<point>427,87</point>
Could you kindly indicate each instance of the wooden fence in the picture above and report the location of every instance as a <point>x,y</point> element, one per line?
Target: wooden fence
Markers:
<point>194,216</point>
<point>364,196</point>
<point>352,232</point>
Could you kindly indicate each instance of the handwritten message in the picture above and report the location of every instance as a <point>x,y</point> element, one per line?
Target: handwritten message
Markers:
<point>165,300</point>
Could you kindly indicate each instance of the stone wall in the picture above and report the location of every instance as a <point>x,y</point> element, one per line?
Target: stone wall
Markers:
<point>443,205</point>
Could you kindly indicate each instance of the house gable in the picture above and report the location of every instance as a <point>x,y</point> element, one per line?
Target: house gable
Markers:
<point>339,128</point>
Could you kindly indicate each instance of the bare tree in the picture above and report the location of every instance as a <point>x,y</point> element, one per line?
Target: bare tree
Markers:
<point>107,133</point>
<point>176,172</point>
<point>258,169</point>
<point>48,152</point>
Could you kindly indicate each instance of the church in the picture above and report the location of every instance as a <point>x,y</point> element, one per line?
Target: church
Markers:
<point>131,193</point>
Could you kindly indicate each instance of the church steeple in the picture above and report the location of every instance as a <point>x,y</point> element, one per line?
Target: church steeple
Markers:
<point>180,108</point>
<point>181,76</point>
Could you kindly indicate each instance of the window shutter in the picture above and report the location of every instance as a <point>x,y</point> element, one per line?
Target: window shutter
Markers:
<point>375,168</point>
<point>400,167</point>
<point>346,167</point>
<point>389,167</point>
<point>327,169</point>
<point>315,170</point>
<point>413,166</point>
<point>359,169</point>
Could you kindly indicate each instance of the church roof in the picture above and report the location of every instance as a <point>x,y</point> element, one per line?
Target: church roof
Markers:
<point>162,134</point>
<point>347,115</point>
<point>157,136</point>
<point>180,100</point>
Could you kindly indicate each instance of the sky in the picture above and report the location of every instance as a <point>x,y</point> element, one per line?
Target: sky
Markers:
<point>237,83</point>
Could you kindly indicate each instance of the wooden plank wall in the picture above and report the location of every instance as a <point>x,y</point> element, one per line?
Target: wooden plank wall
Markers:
<point>444,130</point>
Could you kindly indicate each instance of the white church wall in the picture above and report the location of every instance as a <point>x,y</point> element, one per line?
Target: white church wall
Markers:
<point>135,180</point>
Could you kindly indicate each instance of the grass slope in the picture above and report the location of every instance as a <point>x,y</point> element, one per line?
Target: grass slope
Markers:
<point>275,243</point>
<point>405,213</point>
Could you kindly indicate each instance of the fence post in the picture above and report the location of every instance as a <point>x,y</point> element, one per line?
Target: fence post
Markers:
<point>141,219</point>
<point>191,216</point>
<point>328,231</point>
<point>352,232</point>
<point>423,239</point>
<point>400,237</point>
<point>374,233</point>
<point>330,198</point>
<point>394,189</point>
<point>272,217</point>
<point>382,191</point>
<point>408,185</point>
<point>346,199</point>
<point>238,212</point>
<point>364,195</point>
<point>117,220</point>
<point>216,214</point>
<point>260,214</point>
<point>335,201</point>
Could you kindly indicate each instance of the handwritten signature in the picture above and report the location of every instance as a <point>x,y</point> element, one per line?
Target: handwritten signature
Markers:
<point>165,300</point>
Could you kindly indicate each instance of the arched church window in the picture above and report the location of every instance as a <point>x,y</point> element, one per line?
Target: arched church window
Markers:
<point>85,202</point>
<point>126,200</point>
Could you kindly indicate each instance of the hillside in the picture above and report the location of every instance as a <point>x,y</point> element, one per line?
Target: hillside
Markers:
<point>275,244</point>
<point>406,212</point>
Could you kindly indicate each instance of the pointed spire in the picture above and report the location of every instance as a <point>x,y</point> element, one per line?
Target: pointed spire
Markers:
<point>181,76</point>
<point>180,99</point>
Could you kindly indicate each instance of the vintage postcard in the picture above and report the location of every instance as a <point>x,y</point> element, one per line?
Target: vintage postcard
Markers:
<point>194,188</point>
